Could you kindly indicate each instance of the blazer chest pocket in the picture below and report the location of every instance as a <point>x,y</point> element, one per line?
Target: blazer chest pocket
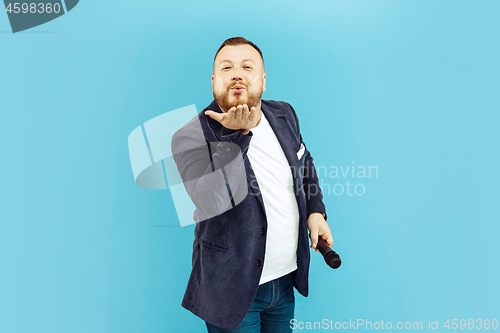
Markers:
<point>301,151</point>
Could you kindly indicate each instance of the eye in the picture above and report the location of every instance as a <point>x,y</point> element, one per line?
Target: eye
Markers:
<point>248,67</point>
<point>226,67</point>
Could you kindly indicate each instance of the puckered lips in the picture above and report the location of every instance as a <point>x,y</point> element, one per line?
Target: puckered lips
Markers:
<point>237,89</point>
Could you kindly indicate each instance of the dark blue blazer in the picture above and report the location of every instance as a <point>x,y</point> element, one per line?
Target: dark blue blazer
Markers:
<point>228,249</point>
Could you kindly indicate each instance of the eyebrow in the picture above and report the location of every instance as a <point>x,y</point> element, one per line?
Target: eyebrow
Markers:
<point>223,61</point>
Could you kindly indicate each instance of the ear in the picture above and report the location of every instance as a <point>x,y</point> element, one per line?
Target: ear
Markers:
<point>212,82</point>
<point>264,82</point>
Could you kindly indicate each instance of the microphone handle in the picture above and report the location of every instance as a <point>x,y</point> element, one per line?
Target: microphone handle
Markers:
<point>322,246</point>
<point>331,257</point>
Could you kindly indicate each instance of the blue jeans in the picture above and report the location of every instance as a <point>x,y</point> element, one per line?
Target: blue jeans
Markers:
<point>271,311</point>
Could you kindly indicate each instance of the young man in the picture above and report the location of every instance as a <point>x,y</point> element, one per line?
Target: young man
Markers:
<point>256,194</point>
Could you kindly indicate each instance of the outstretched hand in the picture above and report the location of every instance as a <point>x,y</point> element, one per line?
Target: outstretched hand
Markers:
<point>237,118</point>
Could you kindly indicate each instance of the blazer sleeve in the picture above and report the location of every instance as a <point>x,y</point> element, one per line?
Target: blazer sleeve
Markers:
<point>211,168</point>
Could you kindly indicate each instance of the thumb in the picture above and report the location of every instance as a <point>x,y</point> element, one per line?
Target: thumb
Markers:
<point>328,238</point>
<point>215,115</point>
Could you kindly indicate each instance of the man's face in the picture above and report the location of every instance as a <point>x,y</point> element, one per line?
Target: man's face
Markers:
<point>238,77</point>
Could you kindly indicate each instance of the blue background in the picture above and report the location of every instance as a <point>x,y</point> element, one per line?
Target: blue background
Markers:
<point>408,86</point>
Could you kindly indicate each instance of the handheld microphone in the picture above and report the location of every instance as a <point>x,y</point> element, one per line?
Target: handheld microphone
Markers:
<point>331,257</point>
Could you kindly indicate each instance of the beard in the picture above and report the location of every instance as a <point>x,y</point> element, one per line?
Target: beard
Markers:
<point>226,101</point>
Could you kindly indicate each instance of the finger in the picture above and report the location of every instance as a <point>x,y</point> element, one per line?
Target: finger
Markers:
<point>215,115</point>
<point>231,112</point>
<point>251,114</point>
<point>245,113</point>
<point>314,238</point>
<point>239,110</point>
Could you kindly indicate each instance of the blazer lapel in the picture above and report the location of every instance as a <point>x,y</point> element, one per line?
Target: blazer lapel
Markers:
<point>282,130</point>
<point>289,142</point>
<point>285,135</point>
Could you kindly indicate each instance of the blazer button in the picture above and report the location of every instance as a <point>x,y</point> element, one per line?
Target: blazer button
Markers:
<point>259,263</point>
<point>263,231</point>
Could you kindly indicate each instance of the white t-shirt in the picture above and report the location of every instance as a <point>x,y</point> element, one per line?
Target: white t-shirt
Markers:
<point>275,181</point>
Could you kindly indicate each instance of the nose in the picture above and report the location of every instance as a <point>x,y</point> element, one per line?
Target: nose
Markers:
<point>236,76</point>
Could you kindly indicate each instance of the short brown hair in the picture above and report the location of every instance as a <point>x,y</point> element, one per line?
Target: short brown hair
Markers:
<point>234,41</point>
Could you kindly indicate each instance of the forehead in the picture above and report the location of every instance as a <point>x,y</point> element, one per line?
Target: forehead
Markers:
<point>237,53</point>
